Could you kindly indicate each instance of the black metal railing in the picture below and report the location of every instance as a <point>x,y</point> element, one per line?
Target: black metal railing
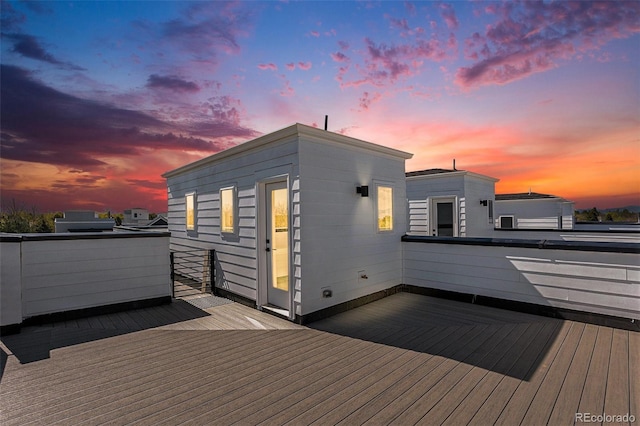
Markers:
<point>192,272</point>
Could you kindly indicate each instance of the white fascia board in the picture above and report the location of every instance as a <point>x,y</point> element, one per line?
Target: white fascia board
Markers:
<point>546,199</point>
<point>323,136</point>
<point>235,150</point>
<point>456,173</point>
<point>291,131</point>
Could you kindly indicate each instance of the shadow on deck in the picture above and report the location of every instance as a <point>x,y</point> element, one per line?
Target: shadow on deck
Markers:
<point>35,342</point>
<point>506,342</point>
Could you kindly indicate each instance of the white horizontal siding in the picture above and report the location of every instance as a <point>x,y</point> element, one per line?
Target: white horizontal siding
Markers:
<point>543,213</point>
<point>10,284</point>
<point>236,255</point>
<point>606,283</point>
<point>339,234</point>
<point>472,217</point>
<point>537,223</point>
<point>61,275</point>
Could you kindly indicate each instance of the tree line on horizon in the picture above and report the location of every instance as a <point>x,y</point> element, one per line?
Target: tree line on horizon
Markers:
<point>19,220</point>
<point>617,215</point>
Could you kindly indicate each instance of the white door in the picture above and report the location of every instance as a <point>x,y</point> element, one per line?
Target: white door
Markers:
<point>277,244</point>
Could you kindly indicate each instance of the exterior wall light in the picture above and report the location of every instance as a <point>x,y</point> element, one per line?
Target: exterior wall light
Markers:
<point>362,190</point>
<point>483,202</point>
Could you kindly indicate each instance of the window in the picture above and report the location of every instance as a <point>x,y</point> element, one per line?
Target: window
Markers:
<point>227,210</point>
<point>490,208</point>
<point>190,209</point>
<point>385,208</point>
<point>506,222</point>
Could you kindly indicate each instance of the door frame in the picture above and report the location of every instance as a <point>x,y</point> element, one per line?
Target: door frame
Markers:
<point>262,289</point>
<point>433,212</point>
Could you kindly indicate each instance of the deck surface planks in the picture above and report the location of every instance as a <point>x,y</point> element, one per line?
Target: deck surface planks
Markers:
<point>405,359</point>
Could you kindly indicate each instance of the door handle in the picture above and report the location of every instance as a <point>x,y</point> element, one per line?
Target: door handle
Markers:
<point>267,249</point>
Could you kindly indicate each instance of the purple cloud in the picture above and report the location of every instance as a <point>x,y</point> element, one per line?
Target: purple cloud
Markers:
<point>339,57</point>
<point>385,64</point>
<point>199,34</point>
<point>531,37</point>
<point>171,82</point>
<point>41,124</point>
<point>10,19</point>
<point>400,24</point>
<point>29,47</point>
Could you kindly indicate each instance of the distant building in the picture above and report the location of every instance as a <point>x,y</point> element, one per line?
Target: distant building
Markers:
<point>159,223</point>
<point>450,203</point>
<point>531,210</point>
<point>136,216</point>
<point>82,221</point>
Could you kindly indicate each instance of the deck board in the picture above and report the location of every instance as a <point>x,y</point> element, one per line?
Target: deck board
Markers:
<point>571,391</point>
<point>592,399</point>
<point>466,387</point>
<point>634,375</point>
<point>426,402</point>
<point>484,396</point>
<point>405,359</point>
<point>617,395</point>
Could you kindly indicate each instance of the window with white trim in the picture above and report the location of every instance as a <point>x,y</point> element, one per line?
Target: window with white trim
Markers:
<point>490,208</point>
<point>384,199</point>
<point>190,211</point>
<point>227,210</point>
<point>507,222</point>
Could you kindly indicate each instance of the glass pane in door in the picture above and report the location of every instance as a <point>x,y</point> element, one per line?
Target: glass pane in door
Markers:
<point>280,239</point>
<point>445,219</point>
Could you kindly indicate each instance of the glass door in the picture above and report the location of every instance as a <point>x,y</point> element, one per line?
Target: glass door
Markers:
<point>277,247</point>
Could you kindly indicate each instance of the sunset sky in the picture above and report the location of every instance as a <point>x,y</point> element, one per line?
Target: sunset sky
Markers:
<point>99,98</point>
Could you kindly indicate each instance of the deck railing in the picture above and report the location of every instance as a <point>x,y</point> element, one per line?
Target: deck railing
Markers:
<point>192,271</point>
<point>43,274</point>
<point>589,277</point>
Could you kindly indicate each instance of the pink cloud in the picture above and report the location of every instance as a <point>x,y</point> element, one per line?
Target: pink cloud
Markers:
<point>304,66</point>
<point>339,57</point>
<point>287,90</point>
<point>270,66</point>
<point>385,64</point>
<point>367,99</point>
<point>314,33</point>
<point>400,24</point>
<point>449,16</point>
<point>503,69</point>
<point>291,66</point>
<point>532,37</point>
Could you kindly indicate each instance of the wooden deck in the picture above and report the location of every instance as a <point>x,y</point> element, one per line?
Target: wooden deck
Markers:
<point>406,359</point>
